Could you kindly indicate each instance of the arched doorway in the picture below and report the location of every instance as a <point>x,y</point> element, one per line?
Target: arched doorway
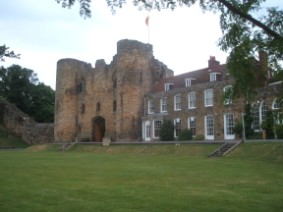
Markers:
<point>98,128</point>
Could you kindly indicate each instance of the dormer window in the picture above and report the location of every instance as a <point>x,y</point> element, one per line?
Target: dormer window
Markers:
<point>168,86</point>
<point>188,82</point>
<point>214,76</point>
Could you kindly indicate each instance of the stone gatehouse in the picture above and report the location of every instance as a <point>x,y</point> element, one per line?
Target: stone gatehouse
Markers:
<point>128,99</point>
<point>107,100</point>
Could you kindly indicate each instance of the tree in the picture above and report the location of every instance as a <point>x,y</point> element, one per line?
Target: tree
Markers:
<point>247,28</point>
<point>21,86</point>
<point>43,103</point>
<point>84,6</point>
<point>4,52</point>
<point>167,131</point>
<point>268,125</point>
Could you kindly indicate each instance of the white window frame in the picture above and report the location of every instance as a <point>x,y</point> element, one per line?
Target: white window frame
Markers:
<point>163,105</point>
<point>263,109</point>
<point>213,76</point>
<point>227,88</point>
<point>150,106</point>
<point>275,104</point>
<point>229,126</point>
<point>208,97</point>
<point>156,127</point>
<point>177,131</point>
<point>194,127</point>
<point>258,111</point>
<point>192,100</point>
<point>168,86</point>
<point>177,102</point>
<point>147,130</point>
<point>188,82</point>
<point>255,115</point>
<point>209,127</point>
<point>277,114</point>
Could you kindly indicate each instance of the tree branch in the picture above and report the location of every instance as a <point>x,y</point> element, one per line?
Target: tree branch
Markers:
<point>248,17</point>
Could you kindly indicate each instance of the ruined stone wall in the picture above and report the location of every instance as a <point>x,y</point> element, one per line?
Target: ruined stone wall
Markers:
<point>71,94</point>
<point>112,93</point>
<point>21,125</point>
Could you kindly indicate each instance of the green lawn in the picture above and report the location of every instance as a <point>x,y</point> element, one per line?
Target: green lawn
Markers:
<point>142,178</point>
<point>7,140</point>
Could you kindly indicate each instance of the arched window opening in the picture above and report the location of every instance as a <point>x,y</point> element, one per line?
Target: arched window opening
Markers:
<point>98,107</point>
<point>82,108</point>
<point>114,105</point>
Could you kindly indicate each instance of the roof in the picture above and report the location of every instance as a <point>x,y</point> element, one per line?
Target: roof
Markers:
<point>198,76</point>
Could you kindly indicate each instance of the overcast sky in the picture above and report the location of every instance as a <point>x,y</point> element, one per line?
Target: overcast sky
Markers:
<point>43,33</point>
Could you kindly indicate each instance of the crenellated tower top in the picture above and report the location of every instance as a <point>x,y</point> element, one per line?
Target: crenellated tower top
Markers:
<point>130,46</point>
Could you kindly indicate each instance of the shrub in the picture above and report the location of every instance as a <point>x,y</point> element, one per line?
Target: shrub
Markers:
<point>279,131</point>
<point>268,125</point>
<point>255,135</point>
<point>198,138</point>
<point>185,135</point>
<point>238,129</point>
<point>167,131</point>
<point>248,121</point>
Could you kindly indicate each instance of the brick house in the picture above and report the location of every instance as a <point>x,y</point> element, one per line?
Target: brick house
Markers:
<point>128,99</point>
<point>195,100</point>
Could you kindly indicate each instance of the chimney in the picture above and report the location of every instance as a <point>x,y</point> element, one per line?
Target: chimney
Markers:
<point>262,55</point>
<point>212,62</point>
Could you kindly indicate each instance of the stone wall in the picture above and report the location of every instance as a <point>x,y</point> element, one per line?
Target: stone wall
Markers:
<point>108,96</point>
<point>21,125</point>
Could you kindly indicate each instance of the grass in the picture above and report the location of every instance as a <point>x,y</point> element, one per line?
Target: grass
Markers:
<point>142,178</point>
<point>8,140</point>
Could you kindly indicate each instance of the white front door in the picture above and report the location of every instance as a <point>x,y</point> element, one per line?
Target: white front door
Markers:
<point>147,131</point>
<point>229,126</point>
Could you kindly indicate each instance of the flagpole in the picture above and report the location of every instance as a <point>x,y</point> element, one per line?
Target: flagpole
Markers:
<point>148,40</point>
<point>147,24</point>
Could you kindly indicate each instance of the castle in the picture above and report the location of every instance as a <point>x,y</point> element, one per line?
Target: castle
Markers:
<point>128,99</point>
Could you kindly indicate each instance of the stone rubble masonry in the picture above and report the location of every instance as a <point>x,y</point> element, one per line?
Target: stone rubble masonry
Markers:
<point>22,126</point>
<point>114,93</point>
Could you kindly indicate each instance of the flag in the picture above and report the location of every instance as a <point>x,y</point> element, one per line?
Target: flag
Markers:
<point>147,20</point>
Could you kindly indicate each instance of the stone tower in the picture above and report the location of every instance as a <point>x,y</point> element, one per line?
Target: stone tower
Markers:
<point>107,100</point>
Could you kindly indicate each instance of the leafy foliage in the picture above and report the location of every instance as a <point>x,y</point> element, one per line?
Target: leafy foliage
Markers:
<point>185,135</point>
<point>21,86</point>
<point>247,26</point>
<point>248,118</point>
<point>4,52</point>
<point>279,131</point>
<point>198,138</point>
<point>84,6</point>
<point>238,129</point>
<point>167,131</point>
<point>268,125</point>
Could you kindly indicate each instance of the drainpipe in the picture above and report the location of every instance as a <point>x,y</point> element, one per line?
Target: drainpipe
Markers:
<point>243,126</point>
